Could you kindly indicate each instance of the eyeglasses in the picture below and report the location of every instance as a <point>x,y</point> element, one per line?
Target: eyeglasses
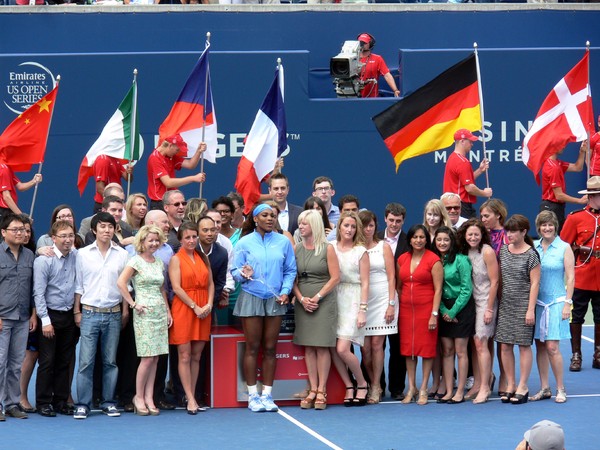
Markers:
<point>323,189</point>
<point>65,216</point>
<point>452,208</point>
<point>223,211</point>
<point>178,204</point>
<point>17,230</point>
<point>65,236</point>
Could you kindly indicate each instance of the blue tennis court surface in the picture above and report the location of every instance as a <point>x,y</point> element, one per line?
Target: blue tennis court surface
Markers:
<point>389,425</point>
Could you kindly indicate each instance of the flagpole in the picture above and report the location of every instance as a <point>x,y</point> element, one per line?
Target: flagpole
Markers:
<point>39,172</point>
<point>280,158</point>
<point>206,45</point>
<point>587,153</point>
<point>133,131</point>
<point>480,91</point>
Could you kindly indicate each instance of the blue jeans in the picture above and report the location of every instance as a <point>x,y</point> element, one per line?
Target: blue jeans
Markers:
<point>13,341</point>
<point>107,328</point>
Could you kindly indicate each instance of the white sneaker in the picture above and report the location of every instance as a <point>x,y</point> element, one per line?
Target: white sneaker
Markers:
<point>254,403</point>
<point>80,413</point>
<point>111,411</point>
<point>267,401</point>
<point>470,382</point>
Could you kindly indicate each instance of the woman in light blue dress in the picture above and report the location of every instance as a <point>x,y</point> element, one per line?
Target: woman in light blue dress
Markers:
<point>553,307</point>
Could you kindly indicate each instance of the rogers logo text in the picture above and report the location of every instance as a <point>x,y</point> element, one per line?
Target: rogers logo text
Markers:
<point>26,85</point>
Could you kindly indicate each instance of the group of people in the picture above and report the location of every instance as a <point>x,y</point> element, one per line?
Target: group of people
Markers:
<point>138,283</point>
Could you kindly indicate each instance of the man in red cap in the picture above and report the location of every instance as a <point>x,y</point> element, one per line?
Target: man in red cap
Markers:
<point>459,176</point>
<point>162,164</point>
<point>374,67</point>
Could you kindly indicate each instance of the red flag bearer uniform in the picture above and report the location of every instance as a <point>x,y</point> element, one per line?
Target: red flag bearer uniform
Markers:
<point>158,166</point>
<point>8,182</point>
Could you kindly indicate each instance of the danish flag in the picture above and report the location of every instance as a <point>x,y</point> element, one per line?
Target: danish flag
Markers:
<point>565,116</point>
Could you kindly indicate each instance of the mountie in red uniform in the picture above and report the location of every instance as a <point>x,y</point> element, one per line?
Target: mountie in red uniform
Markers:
<point>582,231</point>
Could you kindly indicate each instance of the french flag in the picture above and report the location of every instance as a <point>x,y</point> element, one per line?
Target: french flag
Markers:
<point>265,143</point>
<point>193,109</point>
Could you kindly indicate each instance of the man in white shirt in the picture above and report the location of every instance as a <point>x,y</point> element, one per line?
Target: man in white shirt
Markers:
<point>99,313</point>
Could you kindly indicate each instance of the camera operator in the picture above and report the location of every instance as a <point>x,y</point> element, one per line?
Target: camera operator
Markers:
<point>374,67</point>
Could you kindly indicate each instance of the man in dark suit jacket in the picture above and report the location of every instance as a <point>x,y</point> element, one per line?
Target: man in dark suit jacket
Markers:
<point>279,188</point>
<point>218,259</point>
<point>396,238</point>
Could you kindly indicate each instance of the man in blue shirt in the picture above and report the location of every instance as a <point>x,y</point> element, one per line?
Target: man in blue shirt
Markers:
<point>54,295</point>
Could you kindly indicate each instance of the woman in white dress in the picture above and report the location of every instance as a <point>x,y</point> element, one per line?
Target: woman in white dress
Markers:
<point>382,316</point>
<point>352,298</point>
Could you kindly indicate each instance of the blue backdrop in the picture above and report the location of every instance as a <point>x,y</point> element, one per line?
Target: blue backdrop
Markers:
<point>522,53</point>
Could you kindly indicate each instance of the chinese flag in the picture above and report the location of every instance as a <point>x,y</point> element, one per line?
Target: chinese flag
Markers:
<point>23,143</point>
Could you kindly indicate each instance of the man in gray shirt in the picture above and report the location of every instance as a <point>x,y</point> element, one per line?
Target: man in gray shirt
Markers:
<point>16,275</point>
<point>54,295</point>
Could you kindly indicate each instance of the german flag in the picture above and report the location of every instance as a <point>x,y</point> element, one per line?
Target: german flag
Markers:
<point>426,120</point>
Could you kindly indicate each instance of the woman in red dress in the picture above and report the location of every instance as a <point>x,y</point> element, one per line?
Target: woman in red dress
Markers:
<point>420,279</point>
<point>192,282</point>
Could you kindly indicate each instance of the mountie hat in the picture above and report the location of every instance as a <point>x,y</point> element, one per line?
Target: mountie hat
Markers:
<point>177,140</point>
<point>545,435</point>
<point>593,186</point>
<point>465,134</point>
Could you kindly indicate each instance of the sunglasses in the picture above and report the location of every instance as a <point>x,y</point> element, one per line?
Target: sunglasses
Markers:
<point>178,204</point>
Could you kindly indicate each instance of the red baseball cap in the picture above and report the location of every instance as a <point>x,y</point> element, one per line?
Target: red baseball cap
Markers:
<point>465,134</point>
<point>364,38</point>
<point>177,140</point>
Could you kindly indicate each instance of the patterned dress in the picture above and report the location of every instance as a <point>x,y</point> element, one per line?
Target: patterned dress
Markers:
<point>348,295</point>
<point>516,285</point>
<point>481,292</point>
<point>150,327</point>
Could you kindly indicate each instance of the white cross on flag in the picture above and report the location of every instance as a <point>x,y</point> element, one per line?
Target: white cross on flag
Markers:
<point>565,116</point>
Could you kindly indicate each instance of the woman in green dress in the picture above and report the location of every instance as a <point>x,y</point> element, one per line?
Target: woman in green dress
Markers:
<point>316,306</point>
<point>151,313</point>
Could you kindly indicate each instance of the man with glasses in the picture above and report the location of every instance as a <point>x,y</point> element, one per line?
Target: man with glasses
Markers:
<point>451,202</point>
<point>323,188</point>
<point>582,232</point>
<point>15,302</point>
<point>459,176</point>
<point>174,205</point>
<point>53,292</point>
<point>162,164</point>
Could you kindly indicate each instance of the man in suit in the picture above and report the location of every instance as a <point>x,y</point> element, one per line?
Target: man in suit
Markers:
<point>279,188</point>
<point>395,214</point>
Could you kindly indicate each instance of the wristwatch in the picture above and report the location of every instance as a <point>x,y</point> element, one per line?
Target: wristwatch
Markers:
<point>392,303</point>
<point>569,301</point>
<point>435,313</point>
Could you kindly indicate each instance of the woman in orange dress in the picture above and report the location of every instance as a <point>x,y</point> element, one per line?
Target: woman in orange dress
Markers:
<point>191,279</point>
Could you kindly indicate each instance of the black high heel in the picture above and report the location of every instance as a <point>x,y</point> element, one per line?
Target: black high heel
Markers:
<point>360,401</point>
<point>349,401</point>
<point>505,398</point>
<point>519,399</point>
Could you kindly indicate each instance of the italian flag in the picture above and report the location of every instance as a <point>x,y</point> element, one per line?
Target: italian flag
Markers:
<point>116,139</point>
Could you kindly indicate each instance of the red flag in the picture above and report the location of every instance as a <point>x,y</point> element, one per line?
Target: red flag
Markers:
<point>565,116</point>
<point>23,143</point>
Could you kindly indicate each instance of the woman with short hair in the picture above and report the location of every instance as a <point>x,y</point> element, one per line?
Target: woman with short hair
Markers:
<point>553,307</point>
